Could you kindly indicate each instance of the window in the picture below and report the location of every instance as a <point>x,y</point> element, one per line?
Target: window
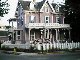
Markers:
<point>32,36</point>
<point>57,19</point>
<point>18,35</point>
<point>46,9</point>
<point>22,20</point>
<point>18,32</point>
<point>32,19</point>
<point>57,9</point>
<point>46,19</point>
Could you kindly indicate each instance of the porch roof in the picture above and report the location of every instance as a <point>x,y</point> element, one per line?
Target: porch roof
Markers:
<point>47,25</point>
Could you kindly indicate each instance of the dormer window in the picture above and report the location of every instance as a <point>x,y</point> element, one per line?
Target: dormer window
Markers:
<point>46,19</point>
<point>57,8</point>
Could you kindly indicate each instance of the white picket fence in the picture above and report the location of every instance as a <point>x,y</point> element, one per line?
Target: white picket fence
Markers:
<point>46,46</point>
<point>66,45</point>
<point>7,44</point>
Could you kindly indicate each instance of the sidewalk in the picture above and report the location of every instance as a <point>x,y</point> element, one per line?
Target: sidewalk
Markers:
<point>44,53</point>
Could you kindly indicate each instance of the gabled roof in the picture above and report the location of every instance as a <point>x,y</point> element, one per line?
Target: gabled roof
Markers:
<point>61,8</point>
<point>25,4</point>
<point>39,5</point>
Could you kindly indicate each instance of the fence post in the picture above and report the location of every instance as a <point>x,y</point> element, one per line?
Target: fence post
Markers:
<point>54,45</point>
<point>50,45</point>
<point>78,44</point>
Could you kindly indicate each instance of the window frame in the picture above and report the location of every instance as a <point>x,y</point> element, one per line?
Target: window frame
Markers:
<point>46,9</point>
<point>47,20</point>
<point>57,19</point>
<point>18,35</point>
<point>34,19</point>
<point>57,8</point>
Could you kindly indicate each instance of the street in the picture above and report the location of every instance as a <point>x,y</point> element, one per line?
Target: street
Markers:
<point>71,56</point>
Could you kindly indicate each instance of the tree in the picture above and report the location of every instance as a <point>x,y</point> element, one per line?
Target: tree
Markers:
<point>72,16</point>
<point>3,8</point>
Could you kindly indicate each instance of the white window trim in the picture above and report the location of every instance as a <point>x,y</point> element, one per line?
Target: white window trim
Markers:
<point>32,35</point>
<point>57,9</point>
<point>18,36</point>
<point>56,19</point>
<point>32,18</point>
<point>46,9</point>
<point>47,20</point>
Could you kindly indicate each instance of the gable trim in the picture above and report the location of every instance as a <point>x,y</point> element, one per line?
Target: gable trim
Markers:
<point>50,6</point>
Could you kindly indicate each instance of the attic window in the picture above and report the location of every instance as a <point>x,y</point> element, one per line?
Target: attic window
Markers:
<point>57,9</point>
<point>46,9</point>
<point>57,19</point>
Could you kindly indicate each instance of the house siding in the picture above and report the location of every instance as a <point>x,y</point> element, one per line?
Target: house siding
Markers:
<point>51,33</point>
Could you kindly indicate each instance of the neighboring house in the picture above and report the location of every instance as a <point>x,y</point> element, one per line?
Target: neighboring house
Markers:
<point>12,27</point>
<point>41,22</point>
<point>3,33</point>
<point>13,23</point>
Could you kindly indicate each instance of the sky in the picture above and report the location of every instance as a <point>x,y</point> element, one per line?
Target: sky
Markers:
<point>12,7</point>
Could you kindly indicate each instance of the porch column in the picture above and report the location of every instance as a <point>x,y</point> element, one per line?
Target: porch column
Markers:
<point>56,34</point>
<point>48,33</point>
<point>41,33</point>
<point>16,36</point>
<point>12,33</point>
<point>29,34</point>
<point>44,33</point>
<point>69,35</point>
<point>34,35</point>
<point>51,36</point>
<point>64,34</point>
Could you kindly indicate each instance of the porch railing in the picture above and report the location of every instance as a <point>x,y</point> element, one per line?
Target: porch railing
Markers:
<point>66,45</point>
<point>47,25</point>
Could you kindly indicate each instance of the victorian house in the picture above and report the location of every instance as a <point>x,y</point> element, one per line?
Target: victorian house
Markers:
<point>40,22</point>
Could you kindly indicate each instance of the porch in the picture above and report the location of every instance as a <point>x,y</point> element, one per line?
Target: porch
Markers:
<point>48,32</point>
<point>48,35</point>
